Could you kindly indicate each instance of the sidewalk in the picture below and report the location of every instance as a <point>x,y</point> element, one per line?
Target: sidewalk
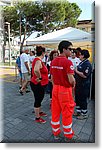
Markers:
<point>9,73</point>
<point>19,125</point>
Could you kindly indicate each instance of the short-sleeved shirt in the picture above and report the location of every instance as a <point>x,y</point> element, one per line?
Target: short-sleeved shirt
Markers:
<point>24,58</point>
<point>60,68</point>
<point>43,71</point>
<point>31,58</point>
<point>86,68</point>
<point>75,61</point>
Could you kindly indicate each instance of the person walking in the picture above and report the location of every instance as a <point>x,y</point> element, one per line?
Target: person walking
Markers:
<point>25,69</point>
<point>18,65</point>
<point>62,72</point>
<point>38,83</point>
<point>82,88</point>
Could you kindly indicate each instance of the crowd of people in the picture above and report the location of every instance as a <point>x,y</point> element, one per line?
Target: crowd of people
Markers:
<point>67,73</point>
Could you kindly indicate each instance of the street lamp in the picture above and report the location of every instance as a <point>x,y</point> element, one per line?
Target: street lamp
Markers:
<point>9,42</point>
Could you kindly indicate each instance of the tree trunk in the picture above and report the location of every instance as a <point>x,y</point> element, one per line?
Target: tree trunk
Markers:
<point>21,46</point>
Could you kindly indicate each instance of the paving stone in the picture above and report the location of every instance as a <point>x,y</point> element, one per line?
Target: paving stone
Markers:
<point>84,138</point>
<point>87,128</point>
<point>19,124</point>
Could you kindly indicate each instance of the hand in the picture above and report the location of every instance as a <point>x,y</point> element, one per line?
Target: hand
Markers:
<point>76,70</point>
<point>38,80</point>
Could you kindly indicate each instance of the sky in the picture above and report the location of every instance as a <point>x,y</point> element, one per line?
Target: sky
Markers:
<point>86,7</point>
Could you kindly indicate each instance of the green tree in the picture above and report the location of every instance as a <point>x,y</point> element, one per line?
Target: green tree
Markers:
<point>27,17</point>
<point>23,18</point>
<point>59,14</point>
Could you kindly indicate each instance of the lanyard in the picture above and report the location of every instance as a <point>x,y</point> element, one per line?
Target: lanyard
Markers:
<point>83,62</point>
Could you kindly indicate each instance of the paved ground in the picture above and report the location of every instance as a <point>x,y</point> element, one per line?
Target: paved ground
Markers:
<point>18,119</point>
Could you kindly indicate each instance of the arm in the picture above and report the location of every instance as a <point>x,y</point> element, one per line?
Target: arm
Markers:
<point>71,80</point>
<point>18,67</point>
<point>51,80</point>
<point>17,64</point>
<point>27,66</point>
<point>80,73</point>
<point>37,68</point>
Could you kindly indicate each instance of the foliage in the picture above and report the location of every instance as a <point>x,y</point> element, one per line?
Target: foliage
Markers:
<point>35,16</point>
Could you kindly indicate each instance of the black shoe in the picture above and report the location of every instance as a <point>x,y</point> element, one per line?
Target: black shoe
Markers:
<point>81,117</point>
<point>74,139</point>
<point>20,92</point>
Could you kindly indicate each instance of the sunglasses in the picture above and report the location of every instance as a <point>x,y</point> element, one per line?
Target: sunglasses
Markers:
<point>69,49</point>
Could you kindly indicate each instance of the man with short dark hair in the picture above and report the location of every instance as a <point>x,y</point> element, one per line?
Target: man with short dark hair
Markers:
<point>62,72</point>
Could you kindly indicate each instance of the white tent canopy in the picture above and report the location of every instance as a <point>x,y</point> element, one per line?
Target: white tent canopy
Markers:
<point>71,34</point>
<point>32,36</point>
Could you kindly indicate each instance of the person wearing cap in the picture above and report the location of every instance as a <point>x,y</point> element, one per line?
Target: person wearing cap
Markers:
<point>82,88</point>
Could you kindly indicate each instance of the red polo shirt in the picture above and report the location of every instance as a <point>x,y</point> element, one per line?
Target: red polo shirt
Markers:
<point>59,69</point>
<point>43,71</point>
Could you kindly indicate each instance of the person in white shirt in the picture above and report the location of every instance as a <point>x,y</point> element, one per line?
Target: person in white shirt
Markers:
<point>46,58</point>
<point>74,59</point>
<point>25,68</point>
<point>31,58</point>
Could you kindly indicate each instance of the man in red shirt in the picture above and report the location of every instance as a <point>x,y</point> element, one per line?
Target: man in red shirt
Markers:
<point>62,72</point>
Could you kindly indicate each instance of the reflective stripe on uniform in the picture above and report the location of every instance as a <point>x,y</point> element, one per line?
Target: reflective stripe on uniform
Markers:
<point>68,132</point>
<point>84,110</point>
<point>55,130</point>
<point>77,107</point>
<point>67,127</point>
<point>78,110</point>
<point>55,123</point>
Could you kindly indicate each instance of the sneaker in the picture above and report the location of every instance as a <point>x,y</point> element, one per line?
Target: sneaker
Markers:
<point>20,92</point>
<point>81,117</point>
<point>40,120</point>
<point>57,137</point>
<point>43,114</point>
<point>75,138</point>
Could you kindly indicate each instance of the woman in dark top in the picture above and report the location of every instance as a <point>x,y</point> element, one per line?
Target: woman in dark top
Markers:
<point>82,76</point>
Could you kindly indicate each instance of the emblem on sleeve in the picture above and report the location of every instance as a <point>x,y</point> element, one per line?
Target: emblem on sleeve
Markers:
<point>86,71</point>
<point>71,67</point>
